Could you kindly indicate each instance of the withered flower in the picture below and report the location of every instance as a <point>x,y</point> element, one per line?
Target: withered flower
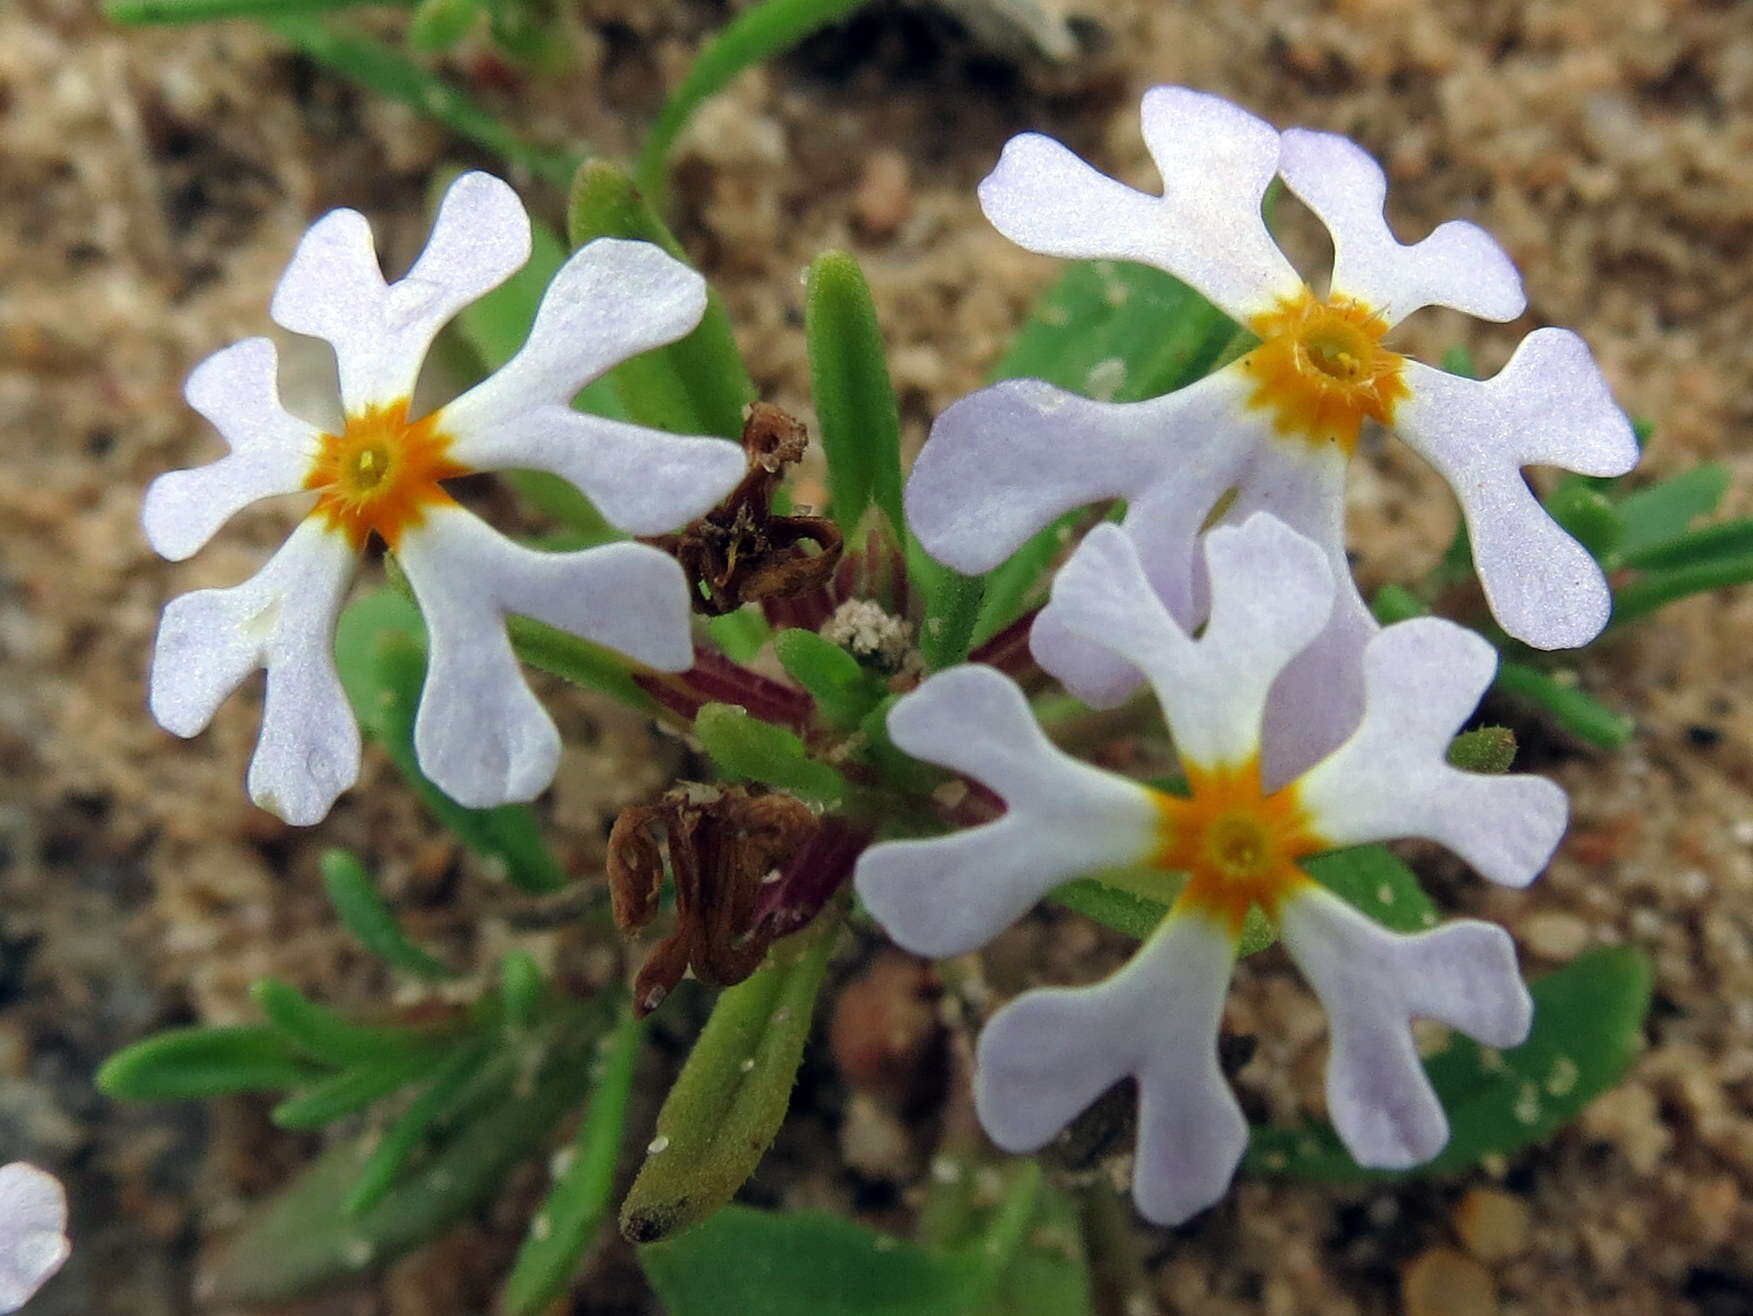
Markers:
<point>740,551</point>
<point>722,843</point>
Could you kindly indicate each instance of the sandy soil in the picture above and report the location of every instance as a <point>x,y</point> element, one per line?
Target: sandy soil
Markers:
<point>153,185</point>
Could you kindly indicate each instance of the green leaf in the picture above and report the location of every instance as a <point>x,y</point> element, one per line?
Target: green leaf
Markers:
<point>952,612</point>
<point>205,11</point>
<point>1048,1275</point>
<point>1588,1026</point>
<point>855,402</point>
<point>732,1094</point>
<point>1376,882</point>
<point>579,1202</point>
<point>194,1064</point>
<point>697,385</point>
<point>756,34</point>
<point>740,634</point>
<point>403,1138</point>
<point>1589,515</point>
<point>300,1240</point>
<point>440,24</point>
<point>1116,907</point>
<point>1395,603</point>
<point>521,988</point>
<point>379,648</point>
<point>367,917</point>
<point>746,748</point>
<point>901,770</point>
<point>745,1262</point>
<point>356,1088</point>
<point>1666,510</point>
<point>1577,711</point>
<point>1725,540</point>
<point>391,74</point>
<point>578,661</point>
<point>843,690</point>
<point>324,1035</point>
<point>1657,590</point>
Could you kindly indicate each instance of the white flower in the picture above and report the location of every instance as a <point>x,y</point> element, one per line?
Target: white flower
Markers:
<point>480,734</point>
<point>33,1232</point>
<point>1278,425</point>
<point>1050,1053</point>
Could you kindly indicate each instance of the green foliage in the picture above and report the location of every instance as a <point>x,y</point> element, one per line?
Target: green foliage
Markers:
<point>324,1035</point>
<point>843,690</point>
<point>366,916</point>
<point>195,1064</point>
<point>521,989</point>
<point>1667,509</point>
<point>697,385</point>
<point>754,35</point>
<point>439,24</point>
<point>159,12</point>
<point>380,650</point>
<point>855,402</point>
<point>578,1203</point>
<point>579,661</point>
<point>1588,1025</point>
<point>412,1127</point>
<point>1574,709</point>
<point>732,1094</point>
<point>745,748</point>
<point>1376,882</point>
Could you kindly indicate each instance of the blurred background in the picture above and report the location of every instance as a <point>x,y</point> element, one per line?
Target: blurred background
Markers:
<point>153,183</point>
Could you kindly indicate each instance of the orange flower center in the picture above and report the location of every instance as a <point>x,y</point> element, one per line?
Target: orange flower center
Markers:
<point>1237,846</point>
<point>380,474</point>
<point>1321,368</point>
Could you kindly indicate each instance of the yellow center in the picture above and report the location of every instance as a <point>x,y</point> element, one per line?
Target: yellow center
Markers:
<point>380,473</point>
<point>1238,846</point>
<point>1321,368</point>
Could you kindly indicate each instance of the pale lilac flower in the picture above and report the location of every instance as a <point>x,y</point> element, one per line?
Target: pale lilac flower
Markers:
<point>33,1232</point>
<point>480,733</point>
<point>1048,1054</point>
<point>1277,427</point>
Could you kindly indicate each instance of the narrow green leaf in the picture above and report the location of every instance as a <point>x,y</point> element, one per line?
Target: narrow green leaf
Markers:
<point>1125,911</point>
<point>324,1035</point>
<point>579,1202</point>
<point>1577,711</point>
<point>1396,603</point>
<point>354,1089</point>
<point>1712,543</point>
<point>367,917</point>
<point>300,1240</point>
<point>740,635</point>
<point>746,748</point>
<point>1588,1026</point>
<point>952,611</point>
<point>1658,589</point>
<point>754,35</point>
<point>855,402</point>
<point>578,661</point>
<point>391,74</point>
<point>379,648</point>
<point>843,690</point>
<point>697,385</point>
<point>1048,1272</point>
<point>1591,517</point>
<point>1376,882</point>
<point>440,24</point>
<point>403,1138</point>
<point>521,988</point>
<point>900,770</point>
<point>1666,510</point>
<point>733,1092</point>
<point>194,1064</point>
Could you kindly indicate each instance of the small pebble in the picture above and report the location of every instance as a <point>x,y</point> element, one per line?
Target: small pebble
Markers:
<point>1446,1282</point>
<point>1555,935</point>
<point>884,198</point>
<point>1492,1224</point>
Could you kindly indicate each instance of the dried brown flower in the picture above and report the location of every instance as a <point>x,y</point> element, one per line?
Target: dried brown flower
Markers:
<point>741,552</point>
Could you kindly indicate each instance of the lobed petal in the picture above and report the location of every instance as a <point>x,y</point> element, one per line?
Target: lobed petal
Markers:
<point>333,288</point>
<point>611,300</point>
<point>1548,406</point>
<point>33,1232</point>
<point>1458,265</point>
<point>283,619</point>
<point>644,481</point>
<point>1048,1054</point>
<point>1272,592</point>
<point>947,895</point>
<point>480,734</point>
<point>1422,681</point>
<point>1207,229</point>
<point>236,390</point>
<point>1318,698</point>
<point>1373,983</point>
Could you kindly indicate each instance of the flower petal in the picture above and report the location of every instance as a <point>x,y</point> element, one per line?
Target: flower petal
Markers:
<point>644,481</point>
<point>612,300</point>
<point>1458,265</point>
<point>33,1232</point>
<point>480,734</point>
<point>1048,1054</point>
<point>1548,406</point>
<point>271,451</point>
<point>1373,983</point>
<point>1422,680</point>
<point>1216,161</point>
<point>1271,592</point>
<point>946,895</point>
<point>334,290</point>
<point>1317,700</point>
<point>282,618</point>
